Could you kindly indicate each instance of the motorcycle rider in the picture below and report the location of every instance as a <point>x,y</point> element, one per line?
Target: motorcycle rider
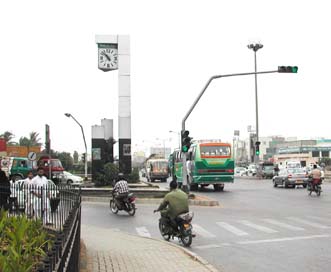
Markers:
<point>316,175</point>
<point>121,189</point>
<point>174,203</point>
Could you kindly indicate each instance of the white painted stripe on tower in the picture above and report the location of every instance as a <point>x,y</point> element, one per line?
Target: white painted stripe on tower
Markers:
<point>201,231</point>
<point>232,229</point>
<point>309,223</point>
<point>282,224</point>
<point>142,231</point>
<point>257,227</point>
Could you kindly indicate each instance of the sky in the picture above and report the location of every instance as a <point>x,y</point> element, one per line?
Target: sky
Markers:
<point>48,66</point>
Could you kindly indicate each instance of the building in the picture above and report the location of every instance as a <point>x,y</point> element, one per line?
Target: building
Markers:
<point>162,151</point>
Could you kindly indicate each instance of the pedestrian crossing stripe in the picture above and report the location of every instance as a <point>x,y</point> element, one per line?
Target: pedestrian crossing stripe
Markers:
<point>232,229</point>
<point>257,227</point>
<point>282,225</point>
<point>309,223</point>
<point>201,231</point>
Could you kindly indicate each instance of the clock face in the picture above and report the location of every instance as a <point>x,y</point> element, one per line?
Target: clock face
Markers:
<point>108,59</point>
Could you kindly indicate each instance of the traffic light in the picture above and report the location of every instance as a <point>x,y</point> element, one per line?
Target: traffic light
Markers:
<point>186,141</point>
<point>257,148</point>
<point>83,157</point>
<point>287,69</point>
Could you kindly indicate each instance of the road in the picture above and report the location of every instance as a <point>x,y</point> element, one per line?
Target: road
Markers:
<point>256,228</point>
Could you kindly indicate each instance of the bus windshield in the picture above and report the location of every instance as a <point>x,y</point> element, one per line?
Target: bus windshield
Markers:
<point>159,165</point>
<point>215,151</point>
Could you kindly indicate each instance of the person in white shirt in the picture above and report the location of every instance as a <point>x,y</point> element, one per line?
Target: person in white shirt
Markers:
<point>29,197</point>
<point>14,188</point>
<point>41,203</point>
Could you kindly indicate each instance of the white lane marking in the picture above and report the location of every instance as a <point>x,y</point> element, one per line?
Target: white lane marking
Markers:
<point>142,231</point>
<point>284,239</point>
<point>207,246</point>
<point>232,229</point>
<point>309,223</point>
<point>281,224</point>
<point>201,231</point>
<point>257,227</point>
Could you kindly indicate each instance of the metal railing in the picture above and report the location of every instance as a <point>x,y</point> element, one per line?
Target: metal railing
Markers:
<point>59,209</point>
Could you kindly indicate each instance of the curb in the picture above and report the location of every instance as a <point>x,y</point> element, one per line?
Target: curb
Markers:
<point>206,203</point>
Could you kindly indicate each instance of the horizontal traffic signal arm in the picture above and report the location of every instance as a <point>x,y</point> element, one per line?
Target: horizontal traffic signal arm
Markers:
<point>287,69</point>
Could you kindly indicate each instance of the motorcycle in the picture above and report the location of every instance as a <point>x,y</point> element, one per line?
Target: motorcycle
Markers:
<point>317,188</point>
<point>127,204</point>
<point>180,227</point>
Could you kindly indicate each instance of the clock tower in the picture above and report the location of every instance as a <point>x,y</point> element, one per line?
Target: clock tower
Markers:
<point>114,54</point>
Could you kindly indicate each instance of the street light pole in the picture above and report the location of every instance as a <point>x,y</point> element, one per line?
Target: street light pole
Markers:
<point>70,115</point>
<point>255,47</point>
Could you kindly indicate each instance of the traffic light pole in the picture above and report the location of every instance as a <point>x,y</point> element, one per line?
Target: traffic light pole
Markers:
<point>184,171</point>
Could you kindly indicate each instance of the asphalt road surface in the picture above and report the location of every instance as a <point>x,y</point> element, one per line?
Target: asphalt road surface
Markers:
<point>256,228</point>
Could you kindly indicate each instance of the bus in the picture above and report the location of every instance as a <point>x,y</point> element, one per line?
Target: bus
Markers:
<point>157,169</point>
<point>208,163</point>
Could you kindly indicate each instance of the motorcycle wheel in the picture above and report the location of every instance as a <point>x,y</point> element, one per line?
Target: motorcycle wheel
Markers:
<point>318,192</point>
<point>162,228</point>
<point>187,239</point>
<point>113,207</point>
<point>132,209</point>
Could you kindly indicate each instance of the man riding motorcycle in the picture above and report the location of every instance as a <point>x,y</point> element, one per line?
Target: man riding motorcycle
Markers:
<point>121,190</point>
<point>174,203</point>
<point>316,175</point>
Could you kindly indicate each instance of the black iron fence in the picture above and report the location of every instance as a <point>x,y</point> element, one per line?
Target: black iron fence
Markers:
<point>59,209</point>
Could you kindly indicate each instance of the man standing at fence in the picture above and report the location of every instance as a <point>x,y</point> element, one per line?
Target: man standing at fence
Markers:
<point>29,197</point>
<point>41,204</point>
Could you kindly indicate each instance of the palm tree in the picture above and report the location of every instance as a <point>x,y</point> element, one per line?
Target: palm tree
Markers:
<point>24,141</point>
<point>8,136</point>
<point>34,139</point>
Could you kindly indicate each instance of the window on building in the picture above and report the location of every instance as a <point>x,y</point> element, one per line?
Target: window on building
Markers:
<point>325,154</point>
<point>315,154</point>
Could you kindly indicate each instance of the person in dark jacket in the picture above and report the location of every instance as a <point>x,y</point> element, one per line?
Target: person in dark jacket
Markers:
<point>4,190</point>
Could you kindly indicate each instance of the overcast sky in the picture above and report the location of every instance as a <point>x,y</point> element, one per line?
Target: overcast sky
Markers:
<point>48,66</point>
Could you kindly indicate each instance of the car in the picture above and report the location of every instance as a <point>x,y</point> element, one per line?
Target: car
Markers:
<point>240,171</point>
<point>291,177</point>
<point>252,170</point>
<point>71,179</point>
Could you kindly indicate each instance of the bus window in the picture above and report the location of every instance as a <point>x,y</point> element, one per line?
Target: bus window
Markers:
<point>214,150</point>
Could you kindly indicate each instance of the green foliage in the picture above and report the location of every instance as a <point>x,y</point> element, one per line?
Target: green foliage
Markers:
<point>75,157</point>
<point>8,136</point>
<point>109,174</point>
<point>326,161</point>
<point>134,176</point>
<point>66,160</point>
<point>32,140</point>
<point>22,243</point>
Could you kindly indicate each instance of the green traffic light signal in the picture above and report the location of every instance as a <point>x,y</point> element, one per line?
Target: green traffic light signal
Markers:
<point>184,148</point>
<point>257,152</point>
<point>287,69</point>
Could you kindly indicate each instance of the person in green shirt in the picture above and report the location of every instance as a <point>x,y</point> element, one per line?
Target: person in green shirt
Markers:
<point>174,203</point>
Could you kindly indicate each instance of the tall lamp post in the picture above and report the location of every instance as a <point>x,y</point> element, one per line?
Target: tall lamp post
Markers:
<point>255,47</point>
<point>70,115</point>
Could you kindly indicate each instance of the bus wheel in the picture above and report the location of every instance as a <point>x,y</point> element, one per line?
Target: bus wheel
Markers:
<point>194,187</point>
<point>218,187</point>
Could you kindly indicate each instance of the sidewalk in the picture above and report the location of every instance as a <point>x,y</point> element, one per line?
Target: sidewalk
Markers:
<point>111,250</point>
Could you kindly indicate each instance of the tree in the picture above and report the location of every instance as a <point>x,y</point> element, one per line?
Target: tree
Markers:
<point>24,141</point>
<point>34,139</point>
<point>76,157</point>
<point>66,160</point>
<point>8,136</point>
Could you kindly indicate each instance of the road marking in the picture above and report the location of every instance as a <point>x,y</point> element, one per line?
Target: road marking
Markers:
<point>309,223</point>
<point>284,239</point>
<point>319,218</point>
<point>207,246</point>
<point>142,231</point>
<point>283,225</point>
<point>201,231</point>
<point>232,229</point>
<point>257,227</point>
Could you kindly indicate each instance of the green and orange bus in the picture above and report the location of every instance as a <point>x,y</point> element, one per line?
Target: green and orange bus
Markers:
<point>208,163</point>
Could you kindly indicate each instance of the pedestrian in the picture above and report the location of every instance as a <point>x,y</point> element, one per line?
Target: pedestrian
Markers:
<point>41,194</point>
<point>29,196</point>
<point>14,188</point>
<point>4,190</point>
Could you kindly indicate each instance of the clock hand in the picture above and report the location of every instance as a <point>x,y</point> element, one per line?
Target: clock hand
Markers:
<point>108,58</point>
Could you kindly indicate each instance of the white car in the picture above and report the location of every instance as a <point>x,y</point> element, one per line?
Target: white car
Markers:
<point>71,179</point>
<point>240,171</point>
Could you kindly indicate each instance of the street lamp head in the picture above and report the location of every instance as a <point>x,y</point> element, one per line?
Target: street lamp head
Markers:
<point>255,46</point>
<point>67,114</point>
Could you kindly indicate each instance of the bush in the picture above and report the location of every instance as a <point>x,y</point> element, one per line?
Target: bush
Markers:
<point>109,174</point>
<point>134,176</point>
<point>22,243</point>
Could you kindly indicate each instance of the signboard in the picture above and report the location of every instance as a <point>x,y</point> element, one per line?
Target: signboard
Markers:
<point>32,156</point>
<point>127,149</point>
<point>96,154</point>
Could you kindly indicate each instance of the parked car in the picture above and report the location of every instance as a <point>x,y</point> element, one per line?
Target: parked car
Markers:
<point>240,171</point>
<point>71,179</point>
<point>291,177</point>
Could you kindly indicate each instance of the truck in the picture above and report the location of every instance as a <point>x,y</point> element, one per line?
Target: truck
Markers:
<point>18,167</point>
